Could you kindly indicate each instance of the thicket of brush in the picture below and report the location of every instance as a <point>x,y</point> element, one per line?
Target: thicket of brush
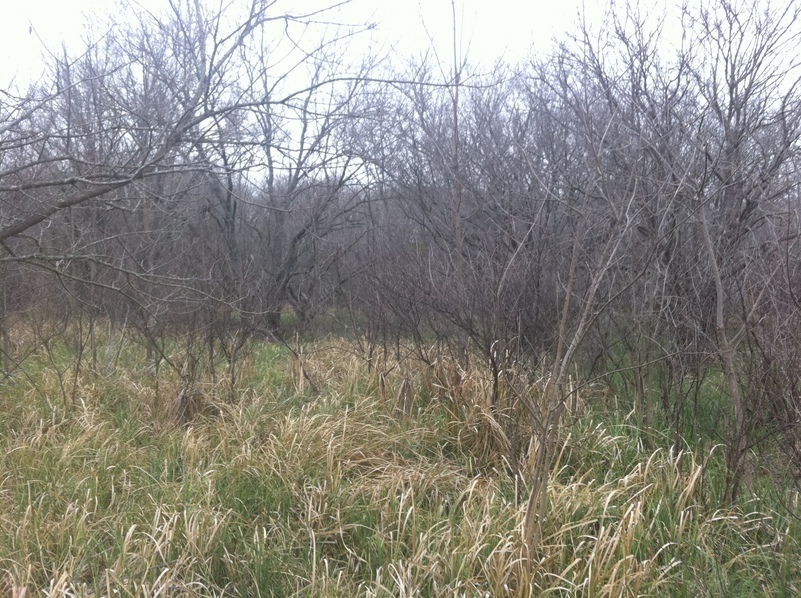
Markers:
<point>568,292</point>
<point>322,475</point>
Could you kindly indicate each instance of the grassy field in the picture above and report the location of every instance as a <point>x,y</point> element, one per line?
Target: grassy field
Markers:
<point>284,491</point>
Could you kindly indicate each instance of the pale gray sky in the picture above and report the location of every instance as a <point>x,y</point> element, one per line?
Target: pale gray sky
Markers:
<point>489,28</point>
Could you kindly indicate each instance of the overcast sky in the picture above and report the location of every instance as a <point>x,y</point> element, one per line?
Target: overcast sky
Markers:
<point>489,28</point>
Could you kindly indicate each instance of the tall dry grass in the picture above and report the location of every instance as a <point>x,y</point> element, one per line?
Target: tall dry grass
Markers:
<point>287,491</point>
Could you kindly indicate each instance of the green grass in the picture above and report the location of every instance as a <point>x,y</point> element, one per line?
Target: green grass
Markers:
<point>287,492</point>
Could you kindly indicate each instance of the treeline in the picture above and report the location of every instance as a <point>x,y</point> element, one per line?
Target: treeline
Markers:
<point>625,207</point>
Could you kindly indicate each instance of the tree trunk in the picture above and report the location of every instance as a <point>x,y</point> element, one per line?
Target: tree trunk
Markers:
<point>739,440</point>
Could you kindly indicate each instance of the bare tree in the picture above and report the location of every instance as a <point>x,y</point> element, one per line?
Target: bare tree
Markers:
<point>148,172</point>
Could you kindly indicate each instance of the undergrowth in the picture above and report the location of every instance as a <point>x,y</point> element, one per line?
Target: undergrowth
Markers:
<point>285,491</point>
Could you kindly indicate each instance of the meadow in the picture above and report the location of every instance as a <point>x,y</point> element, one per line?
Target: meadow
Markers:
<point>323,474</point>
